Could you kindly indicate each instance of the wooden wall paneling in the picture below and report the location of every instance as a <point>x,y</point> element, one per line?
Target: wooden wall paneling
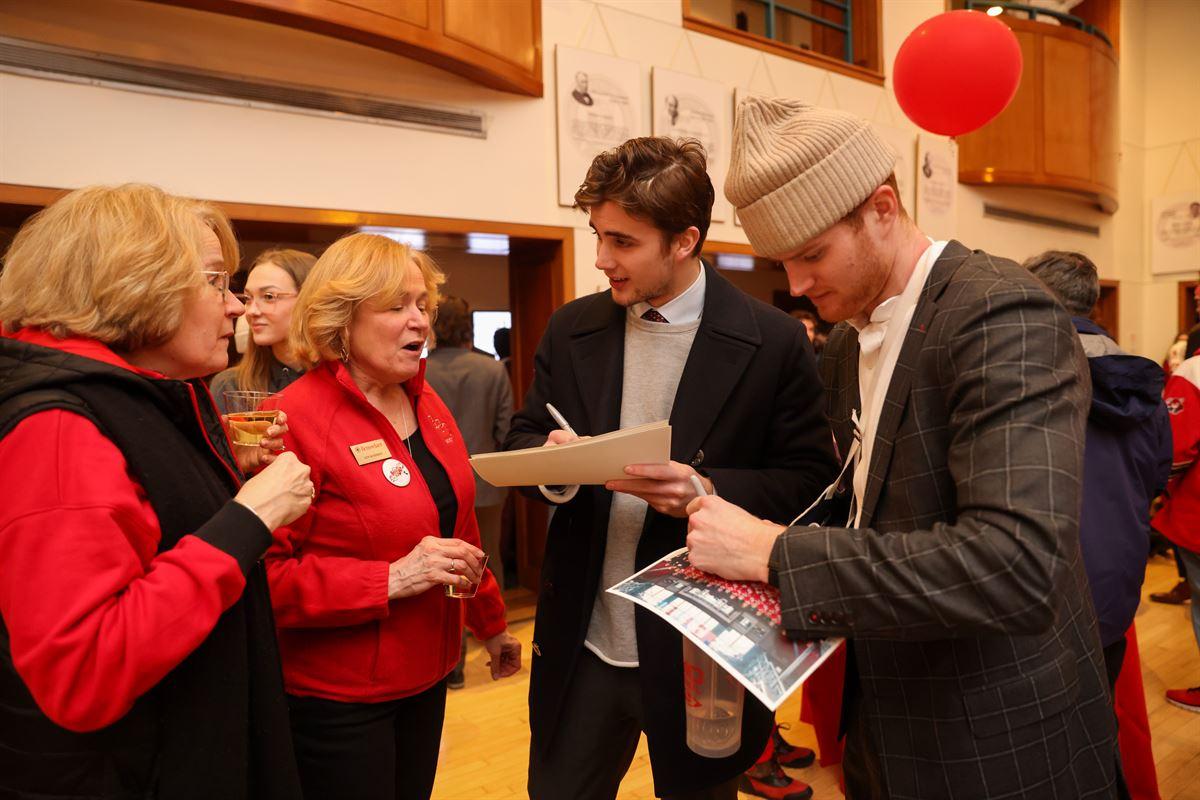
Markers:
<point>1105,15</point>
<point>1187,306</point>
<point>537,286</point>
<point>1063,117</point>
<point>402,28</point>
<point>1107,311</point>
<point>1069,105</point>
<point>1105,138</point>
<point>1014,132</point>
<point>874,74</point>
<point>415,12</point>
<point>504,28</point>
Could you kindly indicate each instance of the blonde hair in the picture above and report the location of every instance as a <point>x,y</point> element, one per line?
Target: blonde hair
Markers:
<point>253,372</point>
<point>358,268</point>
<point>111,263</point>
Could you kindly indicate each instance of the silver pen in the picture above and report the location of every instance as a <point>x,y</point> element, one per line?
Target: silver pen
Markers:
<point>698,485</point>
<point>561,420</point>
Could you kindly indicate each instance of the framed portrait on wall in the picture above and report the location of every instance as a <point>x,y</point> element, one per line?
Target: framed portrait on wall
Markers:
<point>598,99</point>
<point>937,180</point>
<point>689,107</point>
<point>1175,233</point>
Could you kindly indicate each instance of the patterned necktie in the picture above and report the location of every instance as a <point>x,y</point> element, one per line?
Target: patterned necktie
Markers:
<point>652,315</point>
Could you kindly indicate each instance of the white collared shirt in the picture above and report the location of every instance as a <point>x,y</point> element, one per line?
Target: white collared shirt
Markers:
<point>687,307</point>
<point>880,340</point>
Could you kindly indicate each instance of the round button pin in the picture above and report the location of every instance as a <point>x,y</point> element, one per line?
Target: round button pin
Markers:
<point>396,472</point>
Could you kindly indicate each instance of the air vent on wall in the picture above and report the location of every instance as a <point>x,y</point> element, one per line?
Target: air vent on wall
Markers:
<point>50,61</point>
<point>999,212</point>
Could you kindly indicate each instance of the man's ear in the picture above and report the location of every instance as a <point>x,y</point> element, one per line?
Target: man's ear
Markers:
<point>885,205</point>
<point>682,244</point>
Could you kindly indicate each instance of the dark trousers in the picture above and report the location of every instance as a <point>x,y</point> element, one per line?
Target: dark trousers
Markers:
<point>368,751</point>
<point>596,742</point>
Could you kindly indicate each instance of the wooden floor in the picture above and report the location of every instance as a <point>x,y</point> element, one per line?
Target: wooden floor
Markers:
<point>485,744</point>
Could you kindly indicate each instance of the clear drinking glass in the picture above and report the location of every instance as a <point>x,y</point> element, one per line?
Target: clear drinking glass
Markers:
<point>468,591</point>
<point>250,414</point>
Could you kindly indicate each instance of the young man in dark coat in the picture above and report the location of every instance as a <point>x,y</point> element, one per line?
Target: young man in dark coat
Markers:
<point>671,339</point>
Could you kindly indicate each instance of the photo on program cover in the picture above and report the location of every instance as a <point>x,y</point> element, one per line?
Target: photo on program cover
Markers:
<point>736,622</point>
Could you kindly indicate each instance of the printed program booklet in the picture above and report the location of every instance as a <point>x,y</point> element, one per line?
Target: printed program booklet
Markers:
<point>737,623</point>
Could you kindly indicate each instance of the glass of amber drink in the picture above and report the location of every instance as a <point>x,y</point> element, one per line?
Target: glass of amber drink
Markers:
<point>250,414</point>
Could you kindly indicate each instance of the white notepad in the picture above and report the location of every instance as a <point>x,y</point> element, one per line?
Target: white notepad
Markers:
<point>593,460</point>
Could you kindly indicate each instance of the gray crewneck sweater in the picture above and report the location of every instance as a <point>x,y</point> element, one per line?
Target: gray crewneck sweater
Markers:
<point>655,353</point>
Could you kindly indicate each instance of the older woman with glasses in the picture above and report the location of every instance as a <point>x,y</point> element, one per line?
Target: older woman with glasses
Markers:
<point>368,632</point>
<point>272,285</point>
<point>138,654</point>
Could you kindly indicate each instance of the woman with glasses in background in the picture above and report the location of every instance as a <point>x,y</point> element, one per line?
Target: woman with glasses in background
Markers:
<point>272,285</point>
<point>137,654</point>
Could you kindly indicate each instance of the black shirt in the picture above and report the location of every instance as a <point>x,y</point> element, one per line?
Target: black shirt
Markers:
<point>438,482</point>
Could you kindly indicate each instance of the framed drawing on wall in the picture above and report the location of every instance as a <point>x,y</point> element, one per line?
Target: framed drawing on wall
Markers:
<point>599,103</point>
<point>1175,233</point>
<point>937,179</point>
<point>689,107</point>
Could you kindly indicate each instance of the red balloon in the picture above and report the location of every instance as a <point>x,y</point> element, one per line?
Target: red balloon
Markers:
<point>957,71</point>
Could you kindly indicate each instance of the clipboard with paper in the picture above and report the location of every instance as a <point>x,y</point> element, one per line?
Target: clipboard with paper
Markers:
<point>590,461</point>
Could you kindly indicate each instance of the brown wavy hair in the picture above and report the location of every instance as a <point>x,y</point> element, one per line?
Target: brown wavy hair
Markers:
<point>654,178</point>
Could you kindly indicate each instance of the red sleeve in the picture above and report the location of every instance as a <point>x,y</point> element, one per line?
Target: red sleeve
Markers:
<point>1182,399</point>
<point>95,617</point>
<point>310,591</point>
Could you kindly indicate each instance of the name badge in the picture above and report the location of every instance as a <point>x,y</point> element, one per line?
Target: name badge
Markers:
<point>370,452</point>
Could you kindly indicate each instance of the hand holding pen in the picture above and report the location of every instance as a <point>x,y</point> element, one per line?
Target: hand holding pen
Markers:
<point>565,432</point>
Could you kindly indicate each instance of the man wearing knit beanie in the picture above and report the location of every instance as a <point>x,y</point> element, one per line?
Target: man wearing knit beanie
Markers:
<point>957,391</point>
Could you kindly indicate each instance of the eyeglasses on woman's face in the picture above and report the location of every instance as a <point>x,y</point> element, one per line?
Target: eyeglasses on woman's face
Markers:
<point>217,279</point>
<point>266,299</point>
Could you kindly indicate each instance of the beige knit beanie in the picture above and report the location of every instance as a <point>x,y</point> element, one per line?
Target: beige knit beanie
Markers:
<point>796,170</point>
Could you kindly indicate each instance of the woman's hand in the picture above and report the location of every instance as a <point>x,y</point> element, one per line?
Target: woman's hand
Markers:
<point>434,561</point>
<point>505,651</point>
<point>252,459</point>
<point>280,493</point>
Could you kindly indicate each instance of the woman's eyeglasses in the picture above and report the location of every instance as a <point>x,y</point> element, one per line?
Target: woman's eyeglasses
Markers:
<point>218,280</point>
<point>265,299</point>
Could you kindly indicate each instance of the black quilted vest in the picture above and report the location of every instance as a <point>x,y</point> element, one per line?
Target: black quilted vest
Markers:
<point>217,725</point>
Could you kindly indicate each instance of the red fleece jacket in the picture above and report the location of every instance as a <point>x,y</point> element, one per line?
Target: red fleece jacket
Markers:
<point>339,635</point>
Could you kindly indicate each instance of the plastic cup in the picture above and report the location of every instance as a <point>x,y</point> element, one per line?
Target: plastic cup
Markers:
<point>713,700</point>
<point>468,591</point>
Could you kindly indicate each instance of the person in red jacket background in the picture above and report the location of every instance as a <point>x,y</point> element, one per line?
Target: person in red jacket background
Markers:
<point>137,651</point>
<point>366,630</point>
<point>1179,517</point>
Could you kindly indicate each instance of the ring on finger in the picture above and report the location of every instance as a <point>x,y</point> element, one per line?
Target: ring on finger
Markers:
<point>453,566</point>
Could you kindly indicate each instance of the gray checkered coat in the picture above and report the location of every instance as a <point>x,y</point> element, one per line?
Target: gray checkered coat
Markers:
<point>975,669</point>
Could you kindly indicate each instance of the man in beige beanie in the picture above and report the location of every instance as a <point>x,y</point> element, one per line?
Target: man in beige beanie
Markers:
<point>956,389</point>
